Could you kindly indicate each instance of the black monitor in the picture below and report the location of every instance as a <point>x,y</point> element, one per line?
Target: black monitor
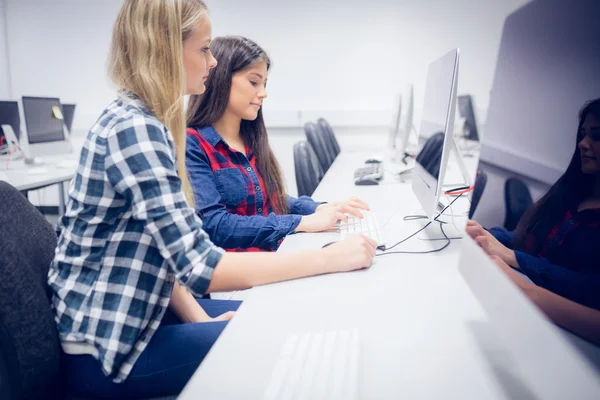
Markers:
<point>9,115</point>
<point>41,120</point>
<point>465,109</point>
<point>68,112</point>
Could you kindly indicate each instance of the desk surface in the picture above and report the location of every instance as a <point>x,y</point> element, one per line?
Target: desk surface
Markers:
<point>20,175</point>
<point>415,313</point>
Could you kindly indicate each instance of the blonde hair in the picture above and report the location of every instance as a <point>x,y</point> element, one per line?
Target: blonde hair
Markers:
<point>146,58</point>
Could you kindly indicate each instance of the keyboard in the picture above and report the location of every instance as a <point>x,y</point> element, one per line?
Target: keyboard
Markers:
<point>373,171</point>
<point>67,164</point>
<point>320,365</point>
<point>367,226</point>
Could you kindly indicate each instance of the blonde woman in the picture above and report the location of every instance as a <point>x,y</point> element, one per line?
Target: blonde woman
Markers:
<point>131,247</point>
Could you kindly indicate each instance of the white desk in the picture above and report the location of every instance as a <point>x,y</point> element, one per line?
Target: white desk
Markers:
<point>417,318</point>
<point>20,175</point>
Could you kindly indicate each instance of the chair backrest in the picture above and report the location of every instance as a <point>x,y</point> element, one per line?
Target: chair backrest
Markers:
<point>29,341</point>
<point>332,143</point>
<point>307,167</point>
<point>319,145</point>
<point>518,200</point>
<point>478,188</point>
<point>430,156</point>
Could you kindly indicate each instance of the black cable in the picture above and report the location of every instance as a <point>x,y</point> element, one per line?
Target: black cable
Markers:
<point>448,241</point>
<point>423,228</point>
<point>416,217</point>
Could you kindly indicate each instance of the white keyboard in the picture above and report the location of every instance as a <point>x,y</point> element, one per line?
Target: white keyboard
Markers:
<point>66,164</point>
<point>315,366</point>
<point>367,226</point>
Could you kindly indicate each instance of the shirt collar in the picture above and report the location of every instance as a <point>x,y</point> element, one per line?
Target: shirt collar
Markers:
<point>131,99</point>
<point>213,138</point>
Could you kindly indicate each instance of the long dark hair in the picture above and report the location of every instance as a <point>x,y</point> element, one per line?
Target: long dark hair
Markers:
<point>571,188</point>
<point>235,54</point>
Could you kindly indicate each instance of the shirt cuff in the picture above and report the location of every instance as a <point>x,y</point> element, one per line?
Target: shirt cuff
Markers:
<point>528,266</point>
<point>289,223</point>
<point>213,257</point>
<point>307,206</point>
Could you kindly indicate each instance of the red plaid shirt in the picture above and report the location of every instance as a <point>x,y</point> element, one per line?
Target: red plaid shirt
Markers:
<point>231,197</point>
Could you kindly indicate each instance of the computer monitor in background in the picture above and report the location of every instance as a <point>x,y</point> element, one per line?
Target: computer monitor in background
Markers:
<point>10,128</point>
<point>466,112</point>
<point>45,132</point>
<point>68,113</point>
<point>437,124</point>
<point>9,115</point>
<point>395,128</point>
<point>402,149</point>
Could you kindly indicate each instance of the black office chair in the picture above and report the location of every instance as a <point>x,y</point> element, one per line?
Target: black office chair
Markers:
<point>430,157</point>
<point>479,186</point>
<point>307,167</point>
<point>30,351</point>
<point>332,143</point>
<point>319,145</point>
<point>518,200</point>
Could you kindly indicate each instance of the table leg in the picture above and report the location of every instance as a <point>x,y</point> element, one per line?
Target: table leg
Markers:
<point>61,199</point>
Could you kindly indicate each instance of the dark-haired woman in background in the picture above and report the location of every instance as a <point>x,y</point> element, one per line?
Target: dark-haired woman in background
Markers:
<point>237,181</point>
<point>557,242</point>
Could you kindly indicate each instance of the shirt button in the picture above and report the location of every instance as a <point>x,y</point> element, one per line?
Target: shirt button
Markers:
<point>260,210</point>
<point>257,188</point>
<point>571,222</point>
<point>249,169</point>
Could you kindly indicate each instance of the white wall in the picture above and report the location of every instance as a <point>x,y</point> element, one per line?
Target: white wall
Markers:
<point>5,92</point>
<point>343,59</point>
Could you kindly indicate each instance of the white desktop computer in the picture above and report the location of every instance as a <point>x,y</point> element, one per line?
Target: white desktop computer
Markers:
<point>436,133</point>
<point>402,149</point>
<point>401,129</point>
<point>395,126</point>
<point>46,133</point>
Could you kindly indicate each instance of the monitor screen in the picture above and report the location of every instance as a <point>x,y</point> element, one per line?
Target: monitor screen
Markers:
<point>41,120</point>
<point>68,112</point>
<point>9,115</point>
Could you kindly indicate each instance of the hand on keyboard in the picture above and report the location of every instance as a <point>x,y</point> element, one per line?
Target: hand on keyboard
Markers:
<point>352,206</point>
<point>354,252</point>
<point>321,221</point>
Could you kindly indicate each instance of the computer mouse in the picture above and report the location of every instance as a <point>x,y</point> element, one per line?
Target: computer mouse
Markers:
<point>366,182</point>
<point>328,244</point>
<point>373,161</point>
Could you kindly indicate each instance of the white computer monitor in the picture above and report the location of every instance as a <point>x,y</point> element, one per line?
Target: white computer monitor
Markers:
<point>437,120</point>
<point>395,125</point>
<point>402,148</point>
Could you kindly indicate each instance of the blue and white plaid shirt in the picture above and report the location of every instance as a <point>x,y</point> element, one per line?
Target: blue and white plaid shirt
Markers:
<point>127,233</point>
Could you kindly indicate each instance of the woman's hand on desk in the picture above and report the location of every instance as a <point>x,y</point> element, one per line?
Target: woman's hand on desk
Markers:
<point>321,221</point>
<point>352,206</point>
<point>490,244</point>
<point>354,252</point>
